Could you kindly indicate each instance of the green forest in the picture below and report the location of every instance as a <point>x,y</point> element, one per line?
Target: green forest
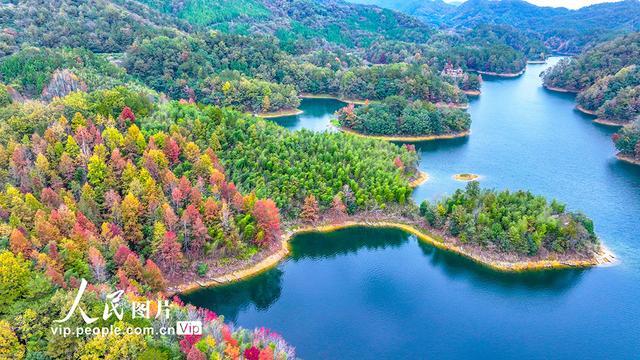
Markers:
<point>607,80</point>
<point>396,115</point>
<point>511,221</point>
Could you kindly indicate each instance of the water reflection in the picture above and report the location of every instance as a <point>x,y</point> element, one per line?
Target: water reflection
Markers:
<point>320,251</point>
<point>346,241</point>
<point>457,267</point>
<point>260,292</point>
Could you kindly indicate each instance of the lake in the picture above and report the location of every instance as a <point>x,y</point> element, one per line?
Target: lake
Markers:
<point>381,294</point>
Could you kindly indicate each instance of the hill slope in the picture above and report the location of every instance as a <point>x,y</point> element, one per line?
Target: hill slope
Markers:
<point>563,30</point>
<point>299,21</point>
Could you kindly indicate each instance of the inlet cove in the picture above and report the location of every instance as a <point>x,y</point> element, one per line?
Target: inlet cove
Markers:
<point>398,290</point>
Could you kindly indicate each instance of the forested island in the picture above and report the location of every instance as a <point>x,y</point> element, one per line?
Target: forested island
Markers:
<point>398,118</point>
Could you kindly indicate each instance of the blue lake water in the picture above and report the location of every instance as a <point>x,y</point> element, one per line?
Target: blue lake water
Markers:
<point>380,294</point>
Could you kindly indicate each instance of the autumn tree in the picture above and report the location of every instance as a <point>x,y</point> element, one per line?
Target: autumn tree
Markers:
<point>338,208</point>
<point>98,265</point>
<point>153,276</point>
<point>19,244</point>
<point>310,210</point>
<point>268,218</point>
<point>169,256</point>
<point>10,347</point>
<point>130,208</point>
<point>126,116</point>
<point>14,278</point>
<point>172,151</point>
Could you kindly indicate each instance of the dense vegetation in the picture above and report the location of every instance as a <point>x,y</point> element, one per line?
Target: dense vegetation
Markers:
<point>289,166</point>
<point>413,82</point>
<point>250,95</point>
<point>397,116</point>
<point>493,48</point>
<point>506,221</point>
<point>607,79</point>
<point>300,25</point>
<point>607,87</point>
<point>31,70</point>
<point>605,59</point>
<point>627,141</point>
<point>562,30</point>
<point>98,25</point>
<point>94,198</point>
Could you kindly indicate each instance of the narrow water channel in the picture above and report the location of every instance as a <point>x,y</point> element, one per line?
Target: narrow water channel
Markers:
<point>381,294</point>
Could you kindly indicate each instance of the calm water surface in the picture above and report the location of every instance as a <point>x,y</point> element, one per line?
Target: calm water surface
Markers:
<point>381,294</point>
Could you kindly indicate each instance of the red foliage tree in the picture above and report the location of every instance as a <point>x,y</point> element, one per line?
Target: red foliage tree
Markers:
<point>194,231</point>
<point>126,116</point>
<point>50,198</point>
<point>169,256</point>
<point>211,210</point>
<point>397,162</point>
<point>615,137</point>
<point>252,353</point>
<point>98,265</point>
<point>55,276</point>
<point>169,216</point>
<point>195,354</point>
<point>268,218</point>
<point>172,151</point>
<point>121,255</point>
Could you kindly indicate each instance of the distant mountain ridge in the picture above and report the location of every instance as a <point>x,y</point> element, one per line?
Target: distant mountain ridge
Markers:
<point>563,30</point>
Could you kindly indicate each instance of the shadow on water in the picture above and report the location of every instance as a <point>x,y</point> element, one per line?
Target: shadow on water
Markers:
<point>261,291</point>
<point>444,144</point>
<point>460,268</point>
<point>346,241</point>
<point>264,290</point>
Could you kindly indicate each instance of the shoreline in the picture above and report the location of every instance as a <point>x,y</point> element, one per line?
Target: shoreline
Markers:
<point>472,92</point>
<point>611,123</point>
<point>558,89</point>
<point>409,139</point>
<point>604,257</point>
<point>281,113</point>
<point>421,179</point>
<point>536,61</point>
<point>585,111</point>
<point>502,75</point>
<point>363,102</point>
<point>627,159</point>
